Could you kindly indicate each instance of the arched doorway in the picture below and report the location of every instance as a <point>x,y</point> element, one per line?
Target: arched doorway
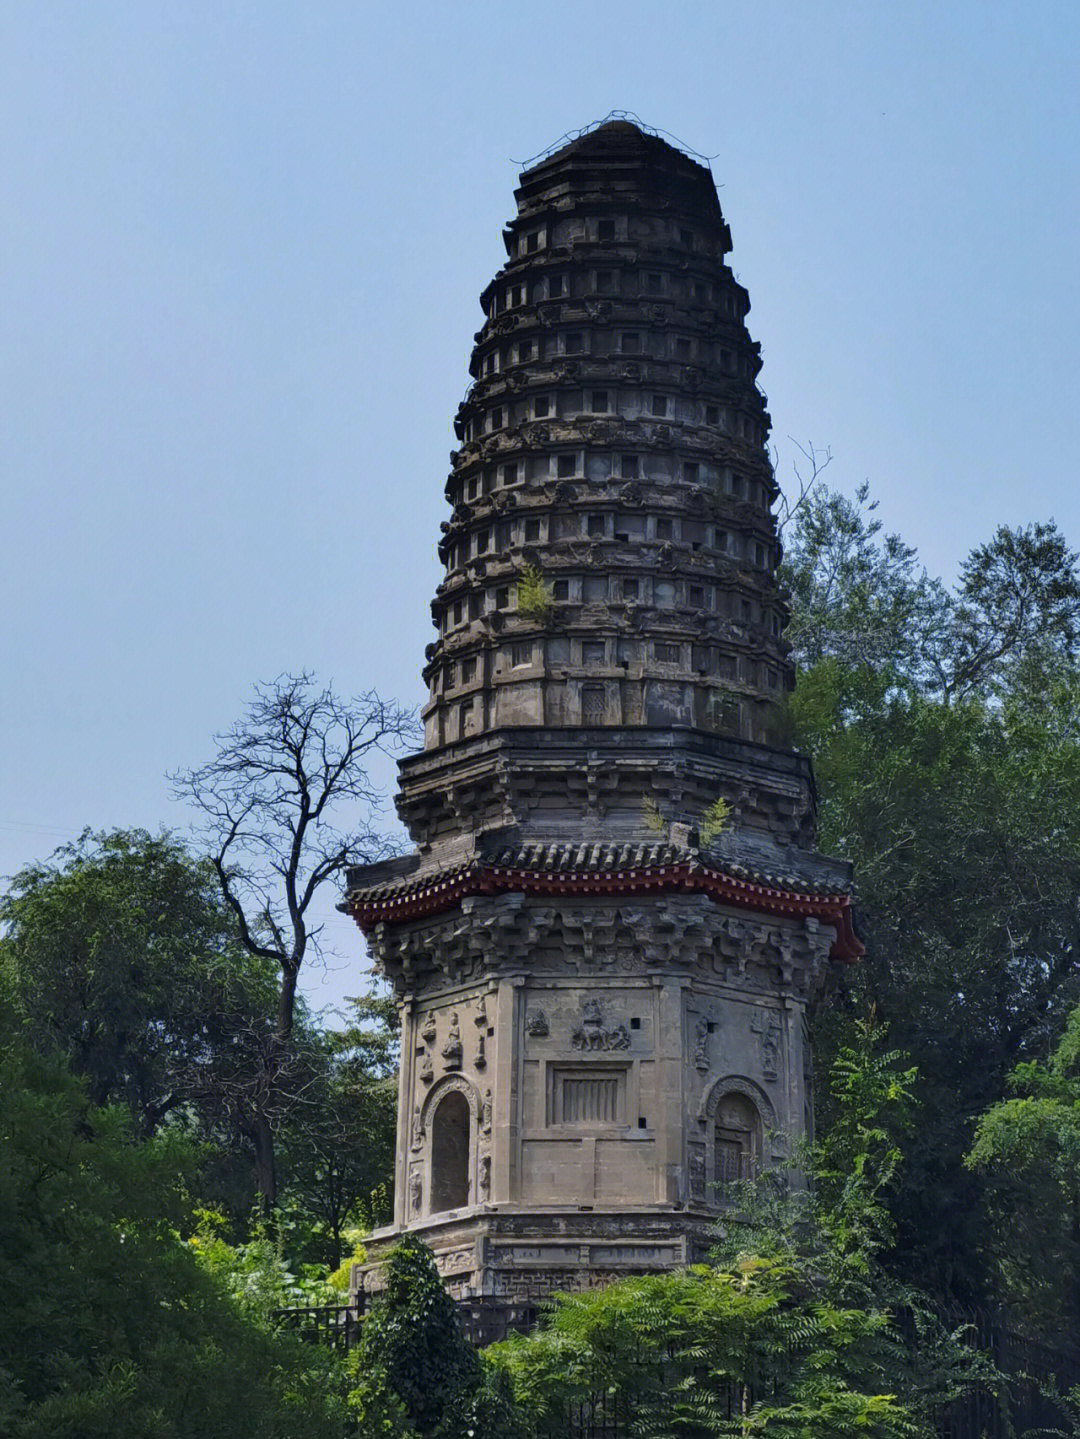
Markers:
<point>450,1153</point>
<point>738,1139</point>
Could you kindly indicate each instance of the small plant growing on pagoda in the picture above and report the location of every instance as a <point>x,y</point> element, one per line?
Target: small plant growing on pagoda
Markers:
<point>652,818</point>
<point>534,597</point>
<point>716,819</point>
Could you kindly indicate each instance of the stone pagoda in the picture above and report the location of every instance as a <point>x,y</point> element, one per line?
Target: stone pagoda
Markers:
<point>606,939</point>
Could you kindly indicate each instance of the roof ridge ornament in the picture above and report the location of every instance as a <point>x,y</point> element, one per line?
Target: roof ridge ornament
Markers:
<point>612,116</point>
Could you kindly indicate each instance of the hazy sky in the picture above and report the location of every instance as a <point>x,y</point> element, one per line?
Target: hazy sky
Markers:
<point>241,249</point>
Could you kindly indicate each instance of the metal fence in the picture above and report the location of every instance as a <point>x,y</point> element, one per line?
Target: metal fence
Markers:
<point>335,1325</point>
<point>1039,1372</point>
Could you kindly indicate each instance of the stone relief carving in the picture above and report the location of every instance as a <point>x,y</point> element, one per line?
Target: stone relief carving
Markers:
<point>485,1113</point>
<point>480,1017</point>
<point>696,1159</point>
<point>455,1261</point>
<point>485,1176</point>
<point>417,1142</point>
<point>429,1030</point>
<point>452,1050</point>
<point>416,1190</point>
<point>701,1044</point>
<point>536,1024</point>
<point>591,1034</point>
<point>427,1069</point>
<point>718,1090</point>
<point>481,1057</point>
<point>770,1048</point>
<point>766,1024</point>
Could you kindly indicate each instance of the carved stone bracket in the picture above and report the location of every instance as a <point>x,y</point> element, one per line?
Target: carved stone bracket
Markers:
<point>496,934</point>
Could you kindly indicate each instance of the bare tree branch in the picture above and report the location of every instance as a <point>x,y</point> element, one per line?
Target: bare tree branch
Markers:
<point>269,803</point>
<point>816,462</point>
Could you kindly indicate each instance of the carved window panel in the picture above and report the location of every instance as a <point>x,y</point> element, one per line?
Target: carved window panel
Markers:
<point>593,706</point>
<point>588,1096</point>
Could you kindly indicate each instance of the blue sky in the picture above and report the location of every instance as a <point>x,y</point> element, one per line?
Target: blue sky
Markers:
<point>241,247</point>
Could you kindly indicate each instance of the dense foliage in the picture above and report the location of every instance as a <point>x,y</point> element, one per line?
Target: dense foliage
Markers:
<point>119,952</point>
<point>945,733</point>
<point>1029,1146</point>
<point>415,1373</point>
<point>709,1351</point>
<point>111,1329</point>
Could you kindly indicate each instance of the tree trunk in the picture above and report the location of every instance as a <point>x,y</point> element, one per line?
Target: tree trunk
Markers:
<point>261,1135</point>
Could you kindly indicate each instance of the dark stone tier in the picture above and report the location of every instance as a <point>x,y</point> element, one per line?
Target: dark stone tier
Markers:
<point>611,556</point>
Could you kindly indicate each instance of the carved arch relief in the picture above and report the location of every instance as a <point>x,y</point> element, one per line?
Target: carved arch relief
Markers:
<point>447,1134</point>
<point>739,1120</point>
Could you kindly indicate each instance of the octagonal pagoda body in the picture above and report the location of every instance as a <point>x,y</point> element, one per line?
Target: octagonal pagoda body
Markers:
<point>603,977</point>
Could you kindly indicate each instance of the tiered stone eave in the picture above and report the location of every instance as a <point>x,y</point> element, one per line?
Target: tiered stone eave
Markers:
<point>612,444</point>
<point>621,871</point>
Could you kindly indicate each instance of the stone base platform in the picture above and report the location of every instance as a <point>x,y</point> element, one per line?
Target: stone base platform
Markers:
<point>524,1257</point>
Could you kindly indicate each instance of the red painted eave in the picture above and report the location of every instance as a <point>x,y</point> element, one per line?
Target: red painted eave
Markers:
<point>445,894</point>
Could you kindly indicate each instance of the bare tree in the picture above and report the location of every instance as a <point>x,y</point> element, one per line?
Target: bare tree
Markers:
<point>272,802</point>
<point>807,474</point>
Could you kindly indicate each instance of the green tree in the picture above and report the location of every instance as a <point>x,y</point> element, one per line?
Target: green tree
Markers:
<point>111,1329</point>
<point>858,597</point>
<point>948,765</point>
<point>1029,1145</point>
<point>415,1373</point>
<point>861,598</point>
<point>119,952</point>
<point>1018,597</point>
<point>707,1351</point>
<point>337,1143</point>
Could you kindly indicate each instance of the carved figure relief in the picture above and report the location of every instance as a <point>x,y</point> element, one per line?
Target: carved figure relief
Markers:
<point>417,1129</point>
<point>766,1024</point>
<point>485,1113</point>
<point>770,1047</point>
<point>481,1058</point>
<point>427,1069</point>
<point>480,1017</point>
<point>701,1044</point>
<point>536,1024</point>
<point>485,1176</point>
<point>696,1158</point>
<point>428,1030</point>
<point>416,1190</point>
<point>451,1050</point>
<point>591,1034</point>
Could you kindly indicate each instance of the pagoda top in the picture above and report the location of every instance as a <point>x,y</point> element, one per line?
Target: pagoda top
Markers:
<point>619,129</point>
<point>619,163</point>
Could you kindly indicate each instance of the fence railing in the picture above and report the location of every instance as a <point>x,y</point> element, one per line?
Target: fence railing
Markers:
<point>1038,1371</point>
<point>335,1325</point>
